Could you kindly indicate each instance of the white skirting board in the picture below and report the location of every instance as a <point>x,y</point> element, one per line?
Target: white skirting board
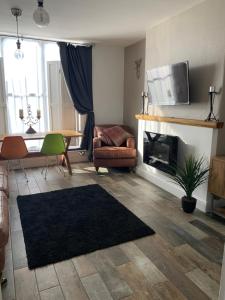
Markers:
<point>165,183</point>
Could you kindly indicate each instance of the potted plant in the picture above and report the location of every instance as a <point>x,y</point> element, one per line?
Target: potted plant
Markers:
<point>189,177</point>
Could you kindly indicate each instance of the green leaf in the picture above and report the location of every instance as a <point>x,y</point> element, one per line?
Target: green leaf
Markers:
<point>193,174</point>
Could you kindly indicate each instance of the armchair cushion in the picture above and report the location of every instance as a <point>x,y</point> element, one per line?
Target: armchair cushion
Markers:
<point>103,136</point>
<point>117,135</point>
<point>97,142</point>
<point>110,152</point>
<point>131,142</point>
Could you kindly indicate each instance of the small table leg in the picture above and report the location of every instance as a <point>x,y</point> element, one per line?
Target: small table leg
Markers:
<point>65,160</point>
<point>212,205</point>
<point>68,163</point>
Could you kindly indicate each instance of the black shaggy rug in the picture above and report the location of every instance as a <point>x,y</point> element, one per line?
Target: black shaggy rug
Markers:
<point>62,224</point>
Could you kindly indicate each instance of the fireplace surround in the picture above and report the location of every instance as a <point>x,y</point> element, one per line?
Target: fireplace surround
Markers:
<point>196,138</point>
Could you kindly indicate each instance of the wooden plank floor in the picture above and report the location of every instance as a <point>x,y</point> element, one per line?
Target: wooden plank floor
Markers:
<point>181,261</point>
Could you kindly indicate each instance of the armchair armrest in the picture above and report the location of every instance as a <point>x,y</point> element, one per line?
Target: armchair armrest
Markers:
<point>97,143</point>
<point>131,142</point>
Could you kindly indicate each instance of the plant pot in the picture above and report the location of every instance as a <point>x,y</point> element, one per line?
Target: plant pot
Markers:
<point>188,204</point>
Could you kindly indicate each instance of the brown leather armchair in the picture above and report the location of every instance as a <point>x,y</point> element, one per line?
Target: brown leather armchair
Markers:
<point>112,156</point>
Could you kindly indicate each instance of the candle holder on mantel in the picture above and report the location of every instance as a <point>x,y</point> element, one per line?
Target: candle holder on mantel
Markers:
<point>212,93</point>
<point>144,95</point>
<point>30,119</point>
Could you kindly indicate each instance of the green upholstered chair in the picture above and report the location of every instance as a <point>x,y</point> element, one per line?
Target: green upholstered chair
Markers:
<point>53,145</point>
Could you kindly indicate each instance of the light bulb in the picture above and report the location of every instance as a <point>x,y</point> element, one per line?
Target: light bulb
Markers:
<point>19,54</point>
<point>41,17</point>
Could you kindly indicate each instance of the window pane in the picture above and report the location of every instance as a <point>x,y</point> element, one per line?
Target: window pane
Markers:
<point>24,84</point>
<point>52,52</point>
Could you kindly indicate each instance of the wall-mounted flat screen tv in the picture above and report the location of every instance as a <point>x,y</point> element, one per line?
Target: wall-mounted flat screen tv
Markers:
<point>169,85</point>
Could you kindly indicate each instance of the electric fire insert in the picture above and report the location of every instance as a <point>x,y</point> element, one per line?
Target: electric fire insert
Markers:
<point>160,151</point>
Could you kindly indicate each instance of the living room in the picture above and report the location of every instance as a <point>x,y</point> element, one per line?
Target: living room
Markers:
<point>92,215</point>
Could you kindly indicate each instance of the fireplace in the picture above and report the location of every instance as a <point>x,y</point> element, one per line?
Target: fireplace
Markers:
<point>160,151</point>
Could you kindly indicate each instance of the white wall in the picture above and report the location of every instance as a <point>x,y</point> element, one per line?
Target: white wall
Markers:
<point>108,79</point>
<point>2,100</point>
<point>133,86</point>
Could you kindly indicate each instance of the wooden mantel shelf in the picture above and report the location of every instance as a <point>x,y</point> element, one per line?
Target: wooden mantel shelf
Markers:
<point>190,122</point>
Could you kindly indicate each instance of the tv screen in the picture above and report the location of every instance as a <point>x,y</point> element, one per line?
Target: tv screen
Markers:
<point>168,85</point>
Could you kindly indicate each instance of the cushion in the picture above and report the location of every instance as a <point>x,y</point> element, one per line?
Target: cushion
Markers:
<point>103,136</point>
<point>117,135</point>
<point>114,152</point>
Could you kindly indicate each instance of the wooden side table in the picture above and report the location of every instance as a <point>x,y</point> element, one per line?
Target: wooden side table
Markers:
<point>217,183</point>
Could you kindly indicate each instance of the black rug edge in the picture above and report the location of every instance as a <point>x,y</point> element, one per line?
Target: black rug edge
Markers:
<point>30,267</point>
<point>58,190</point>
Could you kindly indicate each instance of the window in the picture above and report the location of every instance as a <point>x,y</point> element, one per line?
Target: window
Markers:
<point>25,82</point>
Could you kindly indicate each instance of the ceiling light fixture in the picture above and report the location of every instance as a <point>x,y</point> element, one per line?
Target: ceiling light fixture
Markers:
<point>40,15</point>
<point>17,12</point>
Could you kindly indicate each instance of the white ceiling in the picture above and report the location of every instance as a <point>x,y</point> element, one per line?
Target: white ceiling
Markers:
<point>120,22</point>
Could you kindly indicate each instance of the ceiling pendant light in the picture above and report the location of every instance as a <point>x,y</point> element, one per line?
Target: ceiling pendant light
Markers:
<point>40,15</point>
<point>17,12</point>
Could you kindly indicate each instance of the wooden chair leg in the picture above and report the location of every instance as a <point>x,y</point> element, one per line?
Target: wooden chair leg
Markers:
<point>61,169</point>
<point>45,169</point>
<point>23,169</point>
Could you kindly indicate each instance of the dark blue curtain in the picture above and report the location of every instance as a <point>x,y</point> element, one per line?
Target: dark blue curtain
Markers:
<point>77,68</point>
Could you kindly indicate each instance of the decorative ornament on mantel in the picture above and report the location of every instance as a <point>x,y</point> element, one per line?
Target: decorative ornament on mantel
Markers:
<point>144,95</point>
<point>212,93</point>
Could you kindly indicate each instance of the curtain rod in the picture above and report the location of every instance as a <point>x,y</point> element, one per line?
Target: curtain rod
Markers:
<point>43,39</point>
